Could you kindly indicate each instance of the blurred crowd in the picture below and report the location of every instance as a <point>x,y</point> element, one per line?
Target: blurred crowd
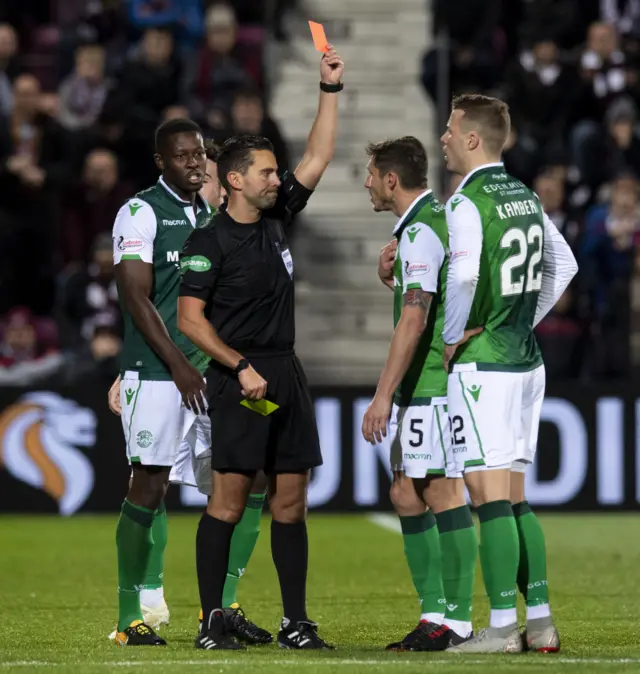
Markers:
<point>569,71</point>
<point>83,84</point>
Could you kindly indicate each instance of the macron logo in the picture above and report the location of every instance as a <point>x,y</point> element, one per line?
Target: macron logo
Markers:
<point>134,208</point>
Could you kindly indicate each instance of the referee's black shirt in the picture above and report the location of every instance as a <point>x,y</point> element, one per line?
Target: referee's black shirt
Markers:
<point>244,273</point>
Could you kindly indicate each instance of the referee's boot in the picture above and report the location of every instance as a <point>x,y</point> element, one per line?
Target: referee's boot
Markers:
<point>215,635</point>
<point>241,627</point>
<point>302,635</point>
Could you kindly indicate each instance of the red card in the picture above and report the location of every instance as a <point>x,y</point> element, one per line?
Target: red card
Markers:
<point>319,38</point>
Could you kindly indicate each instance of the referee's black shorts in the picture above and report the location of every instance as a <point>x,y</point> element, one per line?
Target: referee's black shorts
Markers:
<point>286,441</point>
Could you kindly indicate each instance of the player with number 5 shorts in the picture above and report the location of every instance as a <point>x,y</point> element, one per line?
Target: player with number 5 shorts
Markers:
<point>408,414</point>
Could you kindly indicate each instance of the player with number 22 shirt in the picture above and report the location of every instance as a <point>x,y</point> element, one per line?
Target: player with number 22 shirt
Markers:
<point>508,266</point>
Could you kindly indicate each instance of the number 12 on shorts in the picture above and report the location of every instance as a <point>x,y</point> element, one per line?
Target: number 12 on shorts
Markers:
<point>456,427</point>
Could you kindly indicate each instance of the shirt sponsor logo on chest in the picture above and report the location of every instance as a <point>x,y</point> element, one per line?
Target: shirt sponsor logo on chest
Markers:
<point>175,223</point>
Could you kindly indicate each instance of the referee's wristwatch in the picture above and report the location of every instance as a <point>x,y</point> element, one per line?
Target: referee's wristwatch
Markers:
<point>242,365</point>
<point>331,88</point>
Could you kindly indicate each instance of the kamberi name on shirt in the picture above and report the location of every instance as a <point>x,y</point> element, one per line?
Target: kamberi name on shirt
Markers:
<point>511,209</point>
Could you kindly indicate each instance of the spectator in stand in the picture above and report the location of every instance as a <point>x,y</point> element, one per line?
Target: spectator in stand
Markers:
<point>184,17</point>
<point>471,26</point>
<point>174,112</point>
<point>256,13</point>
<point>33,170</point>
<point>540,92</point>
<point>90,296</point>
<point>551,190</point>
<point>150,81</point>
<point>96,360</point>
<point>609,247</point>
<point>28,349</point>
<point>605,76</point>
<point>8,67</point>
<point>563,22</point>
<point>248,116</point>
<point>625,16</point>
<point>622,150</point>
<point>99,22</point>
<point>84,92</point>
<point>90,207</point>
<point>520,156</point>
<point>560,336</point>
<point>221,68</point>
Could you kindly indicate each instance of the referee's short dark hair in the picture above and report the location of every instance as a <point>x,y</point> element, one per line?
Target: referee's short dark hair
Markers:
<point>405,156</point>
<point>236,154</point>
<point>170,128</point>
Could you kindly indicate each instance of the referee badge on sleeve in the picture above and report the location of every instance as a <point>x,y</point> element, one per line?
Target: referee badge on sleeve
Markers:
<point>288,261</point>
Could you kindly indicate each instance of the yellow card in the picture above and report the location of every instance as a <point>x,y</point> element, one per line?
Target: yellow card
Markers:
<point>264,407</point>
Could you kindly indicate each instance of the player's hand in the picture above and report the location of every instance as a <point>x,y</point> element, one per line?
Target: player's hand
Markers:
<point>114,397</point>
<point>331,66</point>
<point>386,262</point>
<point>253,385</point>
<point>376,418</point>
<point>450,349</point>
<point>191,385</point>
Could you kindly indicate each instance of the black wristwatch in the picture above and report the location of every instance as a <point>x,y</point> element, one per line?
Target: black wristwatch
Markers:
<point>331,88</point>
<point>242,365</point>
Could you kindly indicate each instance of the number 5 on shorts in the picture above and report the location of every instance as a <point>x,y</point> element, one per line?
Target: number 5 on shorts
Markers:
<point>415,429</point>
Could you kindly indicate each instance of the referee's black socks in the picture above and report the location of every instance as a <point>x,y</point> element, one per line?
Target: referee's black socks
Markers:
<point>290,552</point>
<point>213,541</point>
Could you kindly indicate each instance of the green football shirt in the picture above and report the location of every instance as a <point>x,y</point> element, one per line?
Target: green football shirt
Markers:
<point>496,235</point>
<point>421,263</point>
<point>153,227</point>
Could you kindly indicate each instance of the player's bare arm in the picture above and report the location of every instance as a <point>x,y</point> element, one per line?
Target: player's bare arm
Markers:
<point>114,397</point>
<point>135,281</point>
<point>193,324</point>
<point>321,143</point>
<point>413,320</point>
<point>386,262</point>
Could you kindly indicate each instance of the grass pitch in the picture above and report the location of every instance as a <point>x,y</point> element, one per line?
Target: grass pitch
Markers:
<point>58,600</point>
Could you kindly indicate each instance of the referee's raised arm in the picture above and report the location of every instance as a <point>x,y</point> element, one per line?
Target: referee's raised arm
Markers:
<point>322,138</point>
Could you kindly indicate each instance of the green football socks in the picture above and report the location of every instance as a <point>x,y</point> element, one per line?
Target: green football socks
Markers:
<point>532,571</point>
<point>155,569</point>
<point>459,544</point>
<point>499,558</point>
<point>134,542</point>
<point>422,550</point>
<point>243,543</point>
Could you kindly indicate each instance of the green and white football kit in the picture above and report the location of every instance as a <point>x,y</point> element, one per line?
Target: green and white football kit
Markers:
<point>508,266</point>
<point>158,428</point>
<point>419,425</point>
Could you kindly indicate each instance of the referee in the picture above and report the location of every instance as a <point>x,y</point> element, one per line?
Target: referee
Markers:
<point>238,271</point>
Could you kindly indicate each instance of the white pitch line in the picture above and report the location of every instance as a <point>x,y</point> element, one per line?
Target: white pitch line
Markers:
<point>389,522</point>
<point>333,662</point>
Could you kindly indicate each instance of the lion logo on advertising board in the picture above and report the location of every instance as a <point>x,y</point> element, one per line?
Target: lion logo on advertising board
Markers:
<point>39,439</point>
